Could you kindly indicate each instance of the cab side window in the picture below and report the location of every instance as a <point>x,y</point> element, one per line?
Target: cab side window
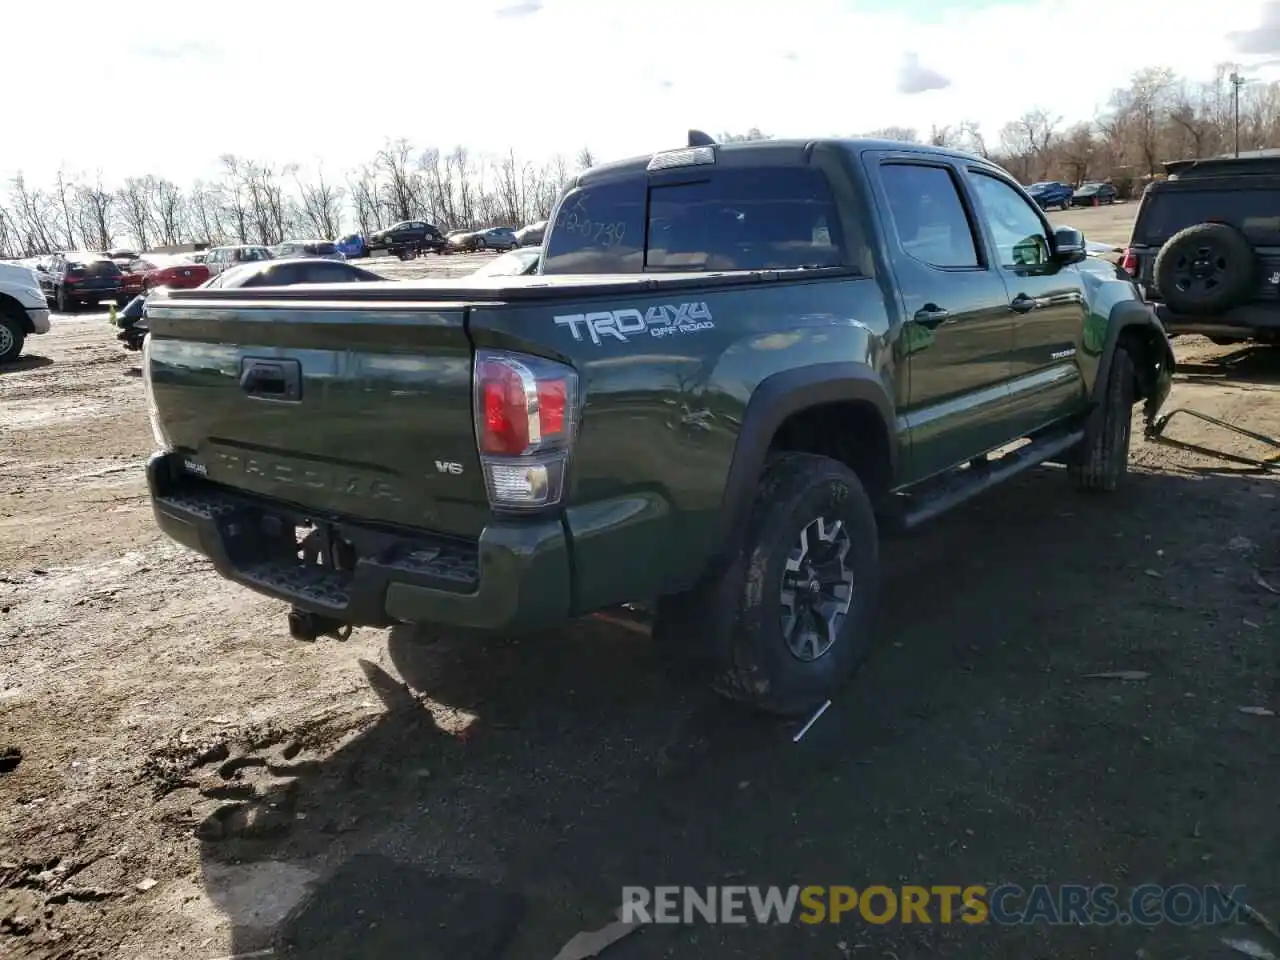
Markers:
<point>1016,227</point>
<point>929,216</point>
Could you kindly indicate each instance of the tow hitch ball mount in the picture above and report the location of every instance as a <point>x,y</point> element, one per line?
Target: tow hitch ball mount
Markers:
<point>309,627</point>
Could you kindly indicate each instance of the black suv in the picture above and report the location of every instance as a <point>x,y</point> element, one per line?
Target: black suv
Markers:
<point>1206,248</point>
<point>75,279</point>
<point>417,236</point>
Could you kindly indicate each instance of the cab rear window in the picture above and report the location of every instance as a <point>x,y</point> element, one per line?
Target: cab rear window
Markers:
<point>1254,212</point>
<point>736,218</point>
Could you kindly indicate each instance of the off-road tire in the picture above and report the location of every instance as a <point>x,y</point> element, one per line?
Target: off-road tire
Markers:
<point>12,338</point>
<point>1102,458</point>
<point>1234,263</point>
<point>728,630</point>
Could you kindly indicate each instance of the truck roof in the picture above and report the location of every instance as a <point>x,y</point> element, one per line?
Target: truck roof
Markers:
<point>781,152</point>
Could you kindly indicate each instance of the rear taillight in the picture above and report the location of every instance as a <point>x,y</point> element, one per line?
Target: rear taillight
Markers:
<point>1129,262</point>
<point>526,414</point>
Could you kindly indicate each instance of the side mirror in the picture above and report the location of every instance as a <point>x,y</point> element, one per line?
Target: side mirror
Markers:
<point>1068,245</point>
<point>42,268</point>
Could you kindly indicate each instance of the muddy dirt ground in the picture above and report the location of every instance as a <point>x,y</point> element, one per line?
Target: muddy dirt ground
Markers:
<point>194,784</point>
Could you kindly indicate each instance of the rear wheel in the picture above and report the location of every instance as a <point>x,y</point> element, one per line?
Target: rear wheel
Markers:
<point>12,337</point>
<point>1102,459</point>
<point>789,620</point>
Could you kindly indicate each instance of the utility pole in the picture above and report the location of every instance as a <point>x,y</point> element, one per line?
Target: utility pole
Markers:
<point>1237,82</point>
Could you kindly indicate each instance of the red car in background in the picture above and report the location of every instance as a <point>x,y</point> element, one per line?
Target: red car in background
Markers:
<point>156,270</point>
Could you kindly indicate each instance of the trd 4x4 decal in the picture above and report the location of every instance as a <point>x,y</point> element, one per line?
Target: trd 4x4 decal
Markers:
<point>661,320</point>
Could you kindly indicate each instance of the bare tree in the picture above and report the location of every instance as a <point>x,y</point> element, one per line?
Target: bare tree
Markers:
<point>586,159</point>
<point>95,205</point>
<point>900,134</point>
<point>205,208</point>
<point>400,183</point>
<point>321,205</point>
<point>235,201</point>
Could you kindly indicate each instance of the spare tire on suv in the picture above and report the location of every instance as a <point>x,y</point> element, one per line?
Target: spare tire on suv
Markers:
<point>1207,268</point>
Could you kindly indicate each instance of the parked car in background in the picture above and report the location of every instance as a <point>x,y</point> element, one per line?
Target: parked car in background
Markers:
<point>132,320</point>
<point>531,235</point>
<point>291,249</point>
<point>197,256</point>
<point>122,257</point>
<point>490,238</point>
<point>1205,251</point>
<point>223,258</point>
<point>283,273</point>
<point>77,279</point>
<point>23,309</point>
<point>166,270</point>
<point>417,236</point>
<point>1051,193</point>
<point>352,246</point>
<point>1093,194</point>
<point>515,263</point>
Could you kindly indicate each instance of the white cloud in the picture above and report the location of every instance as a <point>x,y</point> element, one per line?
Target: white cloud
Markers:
<point>914,77</point>
<point>168,88</point>
<point>1263,37</point>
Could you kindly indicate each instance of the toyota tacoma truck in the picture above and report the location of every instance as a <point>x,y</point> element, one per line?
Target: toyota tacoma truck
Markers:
<point>737,367</point>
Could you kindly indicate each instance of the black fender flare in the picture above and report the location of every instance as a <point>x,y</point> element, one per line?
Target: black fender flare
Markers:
<point>777,397</point>
<point>1129,318</point>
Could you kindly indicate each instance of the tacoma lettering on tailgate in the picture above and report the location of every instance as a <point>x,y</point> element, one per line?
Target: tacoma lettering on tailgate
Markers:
<point>660,320</point>
<point>343,481</point>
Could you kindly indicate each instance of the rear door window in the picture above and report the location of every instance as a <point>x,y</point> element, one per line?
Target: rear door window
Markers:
<point>735,218</point>
<point>928,215</point>
<point>1254,212</point>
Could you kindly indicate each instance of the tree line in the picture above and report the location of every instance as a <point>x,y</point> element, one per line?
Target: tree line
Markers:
<point>1157,117</point>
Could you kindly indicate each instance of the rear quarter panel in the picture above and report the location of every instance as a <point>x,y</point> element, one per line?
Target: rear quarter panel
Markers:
<point>664,410</point>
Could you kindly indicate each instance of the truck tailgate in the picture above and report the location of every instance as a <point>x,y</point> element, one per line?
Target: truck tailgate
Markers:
<point>340,408</point>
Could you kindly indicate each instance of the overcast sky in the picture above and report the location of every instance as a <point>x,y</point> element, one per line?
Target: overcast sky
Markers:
<point>166,87</point>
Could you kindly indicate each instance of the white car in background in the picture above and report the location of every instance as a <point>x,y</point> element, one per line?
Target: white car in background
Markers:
<point>23,309</point>
<point>224,258</point>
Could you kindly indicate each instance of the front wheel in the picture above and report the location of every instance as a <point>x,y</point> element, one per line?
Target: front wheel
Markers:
<point>12,337</point>
<point>789,620</point>
<point>1102,459</point>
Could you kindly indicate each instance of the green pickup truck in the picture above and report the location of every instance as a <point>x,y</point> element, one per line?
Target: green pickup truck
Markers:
<point>738,365</point>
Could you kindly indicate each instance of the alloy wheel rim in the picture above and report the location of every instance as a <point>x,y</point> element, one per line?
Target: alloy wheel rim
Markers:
<point>817,589</point>
<point>6,340</point>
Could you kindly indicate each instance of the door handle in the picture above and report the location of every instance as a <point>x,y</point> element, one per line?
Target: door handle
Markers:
<point>271,379</point>
<point>1022,304</point>
<point>931,315</point>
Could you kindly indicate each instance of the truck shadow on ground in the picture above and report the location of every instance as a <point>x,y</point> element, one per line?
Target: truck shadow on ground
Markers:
<point>1251,363</point>
<point>510,790</point>
<point>24,363</point>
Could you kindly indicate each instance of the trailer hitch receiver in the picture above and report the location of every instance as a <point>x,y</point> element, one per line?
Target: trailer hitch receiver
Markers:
<point>309,627</point>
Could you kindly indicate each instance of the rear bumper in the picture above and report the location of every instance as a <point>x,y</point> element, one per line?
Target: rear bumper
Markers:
<point>1237,322</point>
<point>517,575</point>
<point>79,295</point>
